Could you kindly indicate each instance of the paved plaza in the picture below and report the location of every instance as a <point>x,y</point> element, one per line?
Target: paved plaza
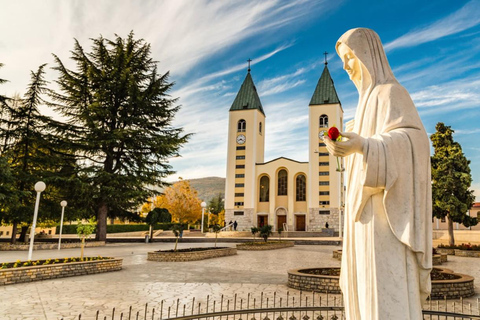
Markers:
<point>143,281</point>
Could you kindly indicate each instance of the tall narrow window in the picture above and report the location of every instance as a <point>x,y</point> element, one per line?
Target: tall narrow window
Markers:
<point>241,125</point>
<point>264,189</point>
<point>301,188</point>
<point>323,121</point>
<point>260,127</point>
<point>282,182</point>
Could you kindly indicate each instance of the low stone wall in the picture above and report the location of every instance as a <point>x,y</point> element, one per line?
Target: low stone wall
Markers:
<point>443,257</point>
<point>313,282</point>
<point>266,246</point>
<point>337,254</point>
<point>436,259</point>
<point>462,286</point>
<point>467,253</point>
<point>49,246</point>
<point>446,251</point>
<point>52,271</point>
<point>168,256</point>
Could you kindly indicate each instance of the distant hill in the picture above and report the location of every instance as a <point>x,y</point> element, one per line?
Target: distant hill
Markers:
<point>209,187</point>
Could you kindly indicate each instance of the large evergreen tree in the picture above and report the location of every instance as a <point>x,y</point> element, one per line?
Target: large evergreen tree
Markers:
<point>451,181</point>
<point>120,117</point>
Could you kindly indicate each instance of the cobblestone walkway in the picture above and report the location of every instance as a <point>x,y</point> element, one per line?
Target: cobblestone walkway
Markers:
<point>143,281</point>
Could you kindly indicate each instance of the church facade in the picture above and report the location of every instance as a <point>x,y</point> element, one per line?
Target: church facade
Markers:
<point>289,195</point>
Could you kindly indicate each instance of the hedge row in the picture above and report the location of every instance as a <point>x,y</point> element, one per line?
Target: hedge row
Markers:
<point>119,228</point>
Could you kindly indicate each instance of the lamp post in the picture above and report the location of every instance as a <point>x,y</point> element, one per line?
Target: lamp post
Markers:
<point>63,204</point>
<point>39,187</point>
<point>204,205</point>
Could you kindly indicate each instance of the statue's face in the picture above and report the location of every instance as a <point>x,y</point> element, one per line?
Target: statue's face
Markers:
<point>351,64</point>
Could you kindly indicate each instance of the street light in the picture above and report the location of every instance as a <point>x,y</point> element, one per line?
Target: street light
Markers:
<point>39,187</point>
<point>204,205</point>
<point>63,204</point>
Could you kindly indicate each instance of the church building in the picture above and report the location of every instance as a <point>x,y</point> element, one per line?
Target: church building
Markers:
<point>289,195</point>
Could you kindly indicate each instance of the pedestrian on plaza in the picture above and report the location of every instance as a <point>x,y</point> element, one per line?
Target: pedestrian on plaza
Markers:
<point>230,225</point>
<point>235,224</point>
<point>326,225</point>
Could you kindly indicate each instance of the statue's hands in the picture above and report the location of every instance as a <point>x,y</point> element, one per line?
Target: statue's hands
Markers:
<point>344,148</point>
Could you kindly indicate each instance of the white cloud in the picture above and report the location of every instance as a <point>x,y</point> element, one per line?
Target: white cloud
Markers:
<point>465,18</point>
<point>451,96</point>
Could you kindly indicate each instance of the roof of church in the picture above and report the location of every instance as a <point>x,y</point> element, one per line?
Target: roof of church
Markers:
<point>247,96</point>
<point>325,92</point>
<point>280,158</point>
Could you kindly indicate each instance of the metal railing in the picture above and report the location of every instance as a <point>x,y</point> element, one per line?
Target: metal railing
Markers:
<point>310,306</point>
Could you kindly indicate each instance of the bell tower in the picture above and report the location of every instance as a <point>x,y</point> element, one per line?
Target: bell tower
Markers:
<point>246,147</point>
<point>325,199</point>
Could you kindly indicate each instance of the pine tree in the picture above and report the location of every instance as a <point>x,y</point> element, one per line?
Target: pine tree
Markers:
<point>451,180</point>
<point>27,146</point>
<point>120,123</point>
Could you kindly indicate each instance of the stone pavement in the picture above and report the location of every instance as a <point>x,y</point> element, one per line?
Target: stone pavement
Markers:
<point>143,281</point>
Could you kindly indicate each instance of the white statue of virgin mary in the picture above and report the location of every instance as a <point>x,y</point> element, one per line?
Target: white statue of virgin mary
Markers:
<point>387,249</point>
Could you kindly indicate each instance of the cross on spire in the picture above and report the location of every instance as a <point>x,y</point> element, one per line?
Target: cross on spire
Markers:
<point>249,60</point>
<point>325,53</point>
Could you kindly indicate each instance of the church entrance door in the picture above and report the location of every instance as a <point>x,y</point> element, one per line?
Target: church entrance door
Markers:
<point>300,223</point>
<point>280,221</point>
<point>262,221</point>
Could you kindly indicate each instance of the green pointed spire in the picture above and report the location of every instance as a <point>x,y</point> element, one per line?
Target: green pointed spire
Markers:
<point>247,97</point>
<point>325,92</point>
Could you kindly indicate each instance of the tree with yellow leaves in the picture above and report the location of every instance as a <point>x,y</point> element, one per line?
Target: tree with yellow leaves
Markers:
<point>181,200</point>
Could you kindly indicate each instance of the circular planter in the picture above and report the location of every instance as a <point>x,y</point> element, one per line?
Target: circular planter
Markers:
<point>467,253</point>
<point>191,254</point>
<point>270,245</point>
<point>326,280</point>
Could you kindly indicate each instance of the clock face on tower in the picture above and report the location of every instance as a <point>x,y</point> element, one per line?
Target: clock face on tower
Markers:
<point>321,134</point>
<point>241,139</point>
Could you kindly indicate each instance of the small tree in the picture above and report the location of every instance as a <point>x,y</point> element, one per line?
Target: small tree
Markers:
<point>266,231</point>
<point>84,231</point>
<point>216,228</point>
<point>155,216</point>
<point>280,230</point>
<point>254,231</point>
<point>177,230</point>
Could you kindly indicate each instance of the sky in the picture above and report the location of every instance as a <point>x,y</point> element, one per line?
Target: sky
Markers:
<point>433,48</point>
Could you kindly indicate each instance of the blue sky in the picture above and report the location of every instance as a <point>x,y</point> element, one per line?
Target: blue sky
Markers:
<point>432,46</point>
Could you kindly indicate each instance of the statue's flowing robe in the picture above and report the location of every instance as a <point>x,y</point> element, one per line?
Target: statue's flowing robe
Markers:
<point>386,258</point>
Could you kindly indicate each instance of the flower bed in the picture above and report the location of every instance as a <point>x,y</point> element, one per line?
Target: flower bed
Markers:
<point>452,250</point>
<point>262,245</point>
<point>27,271</point>
<point>49,246</point>
<point>191,254</point>
<point>326,280</point>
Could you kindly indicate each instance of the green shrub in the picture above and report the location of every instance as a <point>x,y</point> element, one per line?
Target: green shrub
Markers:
<point>119,228</point>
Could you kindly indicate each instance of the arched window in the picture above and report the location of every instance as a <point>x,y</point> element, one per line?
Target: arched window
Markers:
<point>323,121</point>
<point>241,125</point>
<point>260,127</point>
<point>282,182</point>
<point>264,189</point>
<point>301,188</point>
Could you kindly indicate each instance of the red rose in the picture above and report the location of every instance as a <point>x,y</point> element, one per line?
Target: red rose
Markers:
<point>333,133</point>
